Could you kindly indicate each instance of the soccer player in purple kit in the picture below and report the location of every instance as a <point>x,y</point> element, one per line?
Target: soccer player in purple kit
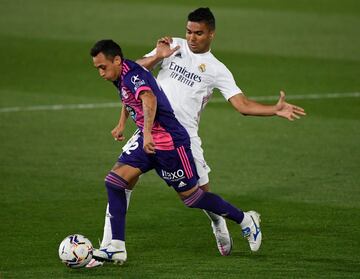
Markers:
<point>161,144</point>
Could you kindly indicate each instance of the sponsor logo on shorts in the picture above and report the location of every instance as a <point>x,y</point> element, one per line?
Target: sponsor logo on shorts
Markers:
<point>173,176</point>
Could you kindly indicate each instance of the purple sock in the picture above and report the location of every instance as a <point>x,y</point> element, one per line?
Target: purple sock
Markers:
<point>116,186</point>
<point>211,202</point>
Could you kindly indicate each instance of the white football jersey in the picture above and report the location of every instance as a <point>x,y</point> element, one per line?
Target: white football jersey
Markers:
<point>188,80</point>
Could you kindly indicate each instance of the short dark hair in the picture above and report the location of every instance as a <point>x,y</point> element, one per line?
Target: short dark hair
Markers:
<point>108,47</point>
<point>203,15</point>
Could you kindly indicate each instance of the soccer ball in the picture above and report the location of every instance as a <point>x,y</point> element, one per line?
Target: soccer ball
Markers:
<point>75,251</point>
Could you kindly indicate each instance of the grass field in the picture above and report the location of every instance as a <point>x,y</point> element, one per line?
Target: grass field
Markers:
<point>303,176</point>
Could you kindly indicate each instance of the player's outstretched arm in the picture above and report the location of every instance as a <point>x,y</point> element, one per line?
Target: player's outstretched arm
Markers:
<point>163,50</point>
<point>283,109</point>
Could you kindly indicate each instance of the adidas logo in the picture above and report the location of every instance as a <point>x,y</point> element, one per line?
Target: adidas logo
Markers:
<point>178,55</point>
<point>182,184</point>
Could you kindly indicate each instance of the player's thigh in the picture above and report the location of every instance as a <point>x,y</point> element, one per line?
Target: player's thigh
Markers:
<point>201,166</point>
<point>177,168</point>
<point>133,161</point>
<point>128,173</point>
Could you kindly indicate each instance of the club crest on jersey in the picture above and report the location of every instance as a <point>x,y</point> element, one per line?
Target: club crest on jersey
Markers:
<point>137,82</point>
<point>124,93</point>
<point>202,68</point>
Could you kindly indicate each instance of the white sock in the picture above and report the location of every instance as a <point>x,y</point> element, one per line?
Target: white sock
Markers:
<point>213,217</point>
<point>247,221</point>
<point>107,235</point>
<point>128,195</point>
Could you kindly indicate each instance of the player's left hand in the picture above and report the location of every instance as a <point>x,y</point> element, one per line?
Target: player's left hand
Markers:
<point>288,111</point>
<point>163,49</point>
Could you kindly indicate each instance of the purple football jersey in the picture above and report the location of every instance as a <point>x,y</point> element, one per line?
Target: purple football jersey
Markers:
<point>167,132</point>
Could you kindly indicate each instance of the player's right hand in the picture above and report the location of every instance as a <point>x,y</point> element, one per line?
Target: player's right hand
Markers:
<point>117,133</point>
<point>288,111</point>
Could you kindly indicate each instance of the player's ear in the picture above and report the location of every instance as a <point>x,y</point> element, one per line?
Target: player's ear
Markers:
<point>212,34</point>
<point>117,60</point>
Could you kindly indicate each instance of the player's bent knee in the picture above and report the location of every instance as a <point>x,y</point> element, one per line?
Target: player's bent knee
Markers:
<point>115,181</point>
<point>193,198</point>
<point>205,187</point>
<point>184,194</point>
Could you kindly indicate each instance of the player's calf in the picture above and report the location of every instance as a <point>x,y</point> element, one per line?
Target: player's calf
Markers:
<point>115,251</point>
<point>249,221</point>
<point>214,203</point>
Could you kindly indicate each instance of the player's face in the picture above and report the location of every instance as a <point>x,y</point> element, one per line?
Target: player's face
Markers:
<point>109,69</point>
<point>199,36</point>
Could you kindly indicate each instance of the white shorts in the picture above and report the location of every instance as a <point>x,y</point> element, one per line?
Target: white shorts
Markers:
<point>202,167</point>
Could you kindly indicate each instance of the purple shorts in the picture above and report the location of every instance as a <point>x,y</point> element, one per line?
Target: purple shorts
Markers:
<point>176,167</point>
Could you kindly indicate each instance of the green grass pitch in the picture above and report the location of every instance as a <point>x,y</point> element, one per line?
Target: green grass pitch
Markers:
<point>303,176</point>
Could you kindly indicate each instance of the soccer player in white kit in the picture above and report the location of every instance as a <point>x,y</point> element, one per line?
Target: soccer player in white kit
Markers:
<point>188,74</point>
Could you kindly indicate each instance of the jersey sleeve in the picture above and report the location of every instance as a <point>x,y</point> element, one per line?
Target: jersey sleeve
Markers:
<point>225,82</point>
<point>137,81</point>
<point>151,53</point>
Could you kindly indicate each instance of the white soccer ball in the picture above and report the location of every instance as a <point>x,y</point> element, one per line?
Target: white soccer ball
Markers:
<point>75,251</point>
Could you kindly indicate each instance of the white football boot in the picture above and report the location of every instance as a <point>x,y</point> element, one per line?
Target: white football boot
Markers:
<point>223,239</point>
<point>110,254</point>
<point>253,232</point>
